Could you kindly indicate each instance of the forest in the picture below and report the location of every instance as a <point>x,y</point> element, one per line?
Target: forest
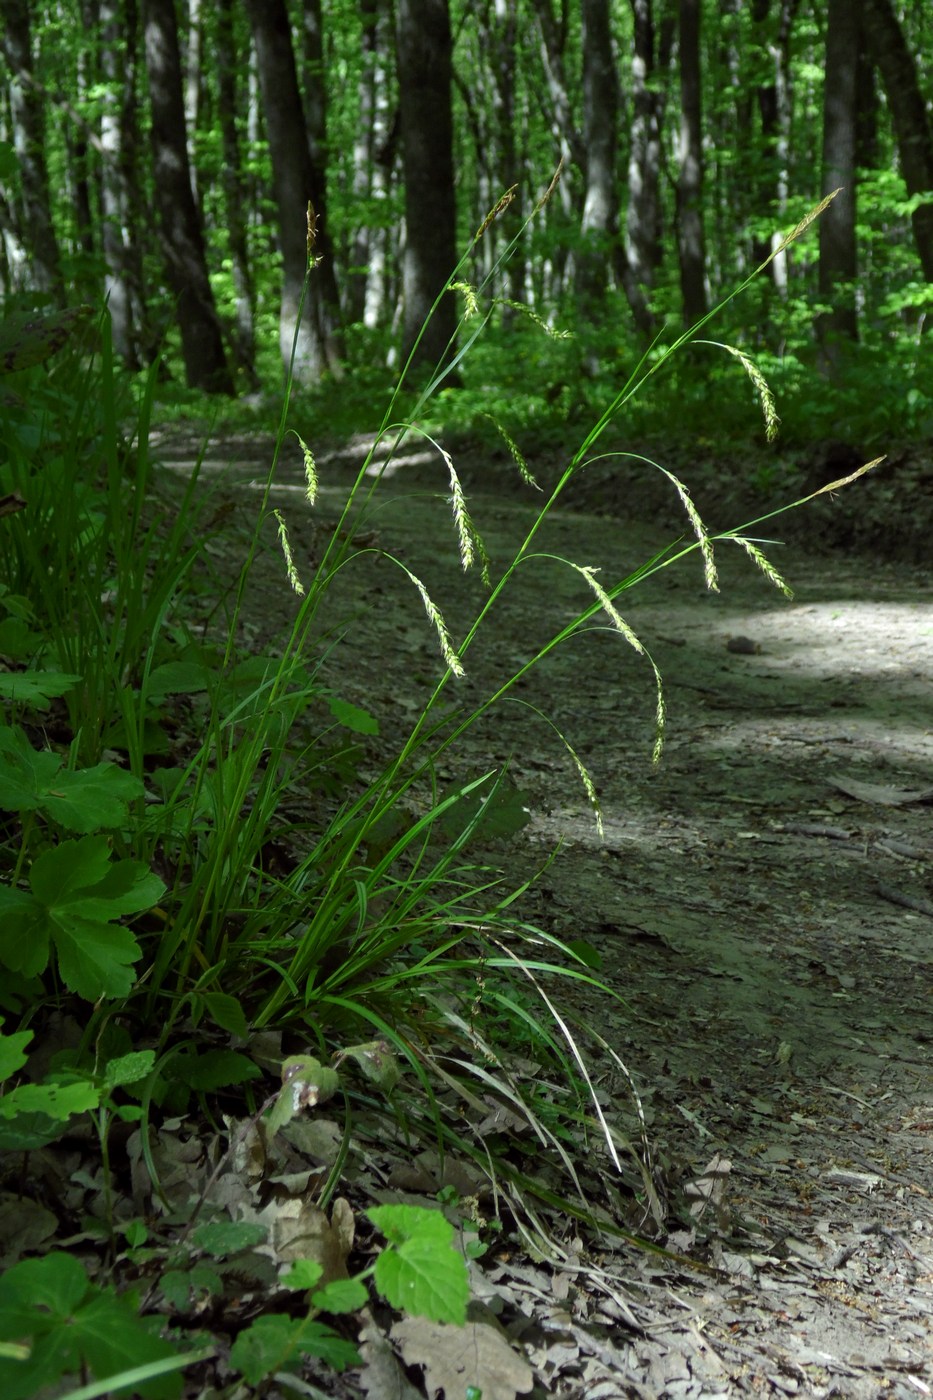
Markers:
<point>462,912</point>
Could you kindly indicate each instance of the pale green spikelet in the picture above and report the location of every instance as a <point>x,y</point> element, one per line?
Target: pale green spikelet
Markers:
<point>534,317</point>
<point>660,714</point>
<point>609,607</point>
<point>762,388</point>
<point>468,292</point>
<point>765,565</point>
<point>310,466</point>
<point>805,223</point>
<point>498,208</point>
<point>461,515</point>
<point>620,624</point>
<point>290,569</point>
<point>468,537</point>
<point>699,529</point>
<point>515,451</point>
<point>589,785</point>
<point>437,621</point>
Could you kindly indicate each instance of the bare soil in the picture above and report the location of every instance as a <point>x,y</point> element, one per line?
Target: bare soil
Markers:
<point>762,899</point>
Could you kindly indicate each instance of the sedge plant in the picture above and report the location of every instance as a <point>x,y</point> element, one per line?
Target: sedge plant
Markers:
<point>358,922</point>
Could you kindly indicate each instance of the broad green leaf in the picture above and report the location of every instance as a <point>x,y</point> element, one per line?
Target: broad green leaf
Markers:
<point>109,1338</point>
<point>341,1295</point>
<point>426,1278</point>
<point>352,717</point>
<point>81,801</point>
<point>35,688</point>
<point>24,772</point>
<point>129,1069</point>
<point>222,1237</point>
<point>39,1294</point>
<point>24,932</point>
<point>76,892</point>
<point>422,1273</point>
<point>26,1132</point>
<point>178,678</point>
<point>17,640</point>
<point>13,1051</point>
<point>303,1274</point>
<point>401,1223</point>
<point>275,1342</point>
<point>226,1012</point>
<point>92,797</point>
<point>215,1069</point>
<point>56,1101</point>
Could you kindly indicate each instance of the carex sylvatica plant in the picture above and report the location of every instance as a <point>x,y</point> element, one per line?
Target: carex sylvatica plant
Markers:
<point>191,851</point>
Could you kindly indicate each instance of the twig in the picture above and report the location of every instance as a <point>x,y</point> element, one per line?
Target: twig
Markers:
<point>907,901</point>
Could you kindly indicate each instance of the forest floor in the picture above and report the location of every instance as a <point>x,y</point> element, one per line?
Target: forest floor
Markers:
<point>762,900</point>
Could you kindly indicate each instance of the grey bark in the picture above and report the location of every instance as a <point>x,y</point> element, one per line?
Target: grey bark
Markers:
<point>296,182</point>
<point>912,125</point>
<point>424,50</point>
<point>838,250</point>
<point>690,236</point>
<point>115,200</point>
<point>643,217</point>
<point>34,214</point>
<point>600,127</point>
<point>234,190</point>
<point>181,237</point>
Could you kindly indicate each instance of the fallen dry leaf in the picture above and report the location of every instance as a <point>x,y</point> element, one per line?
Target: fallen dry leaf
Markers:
<point>457,1357</point>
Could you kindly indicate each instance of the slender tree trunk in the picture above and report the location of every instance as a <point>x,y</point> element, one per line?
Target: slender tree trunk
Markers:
<point>180,229</point>
<point>234,190</point>
<point>375,155</point>
<point>114,195</point>
<point>643,219</point>
<point>424,52</point>
<point>315,85</point>
<point>600,127</point>
<point>36,230</point>
<point>838,251</point>
<point>690,237</point>
<point>296,183</point>
<point>912,126</point>
<point>194,62</point>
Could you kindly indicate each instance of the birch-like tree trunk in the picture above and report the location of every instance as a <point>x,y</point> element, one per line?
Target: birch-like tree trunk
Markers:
<point>36,231</point>
<point>690,237</point>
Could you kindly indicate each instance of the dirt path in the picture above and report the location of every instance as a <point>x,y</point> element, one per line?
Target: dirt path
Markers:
<point>763,899</point>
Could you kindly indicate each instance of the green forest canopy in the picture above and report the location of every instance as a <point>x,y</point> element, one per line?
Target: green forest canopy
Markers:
<point>162,156</point>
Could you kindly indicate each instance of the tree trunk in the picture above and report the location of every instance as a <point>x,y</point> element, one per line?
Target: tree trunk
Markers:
<point>234,191</point>
<point>36,229</point>
<point>691,243</point>
<point>114,196</point>
<point>912,126</point>
<point>643,219</point>
<point>838,251</point>
<point>296,182</point>
<point>600,126</point>
<point>179,226</point>
<point>424,50</point>
<point>374,157</point>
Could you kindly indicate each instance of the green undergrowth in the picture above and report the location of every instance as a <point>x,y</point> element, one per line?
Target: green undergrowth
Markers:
<point>230,903</point>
